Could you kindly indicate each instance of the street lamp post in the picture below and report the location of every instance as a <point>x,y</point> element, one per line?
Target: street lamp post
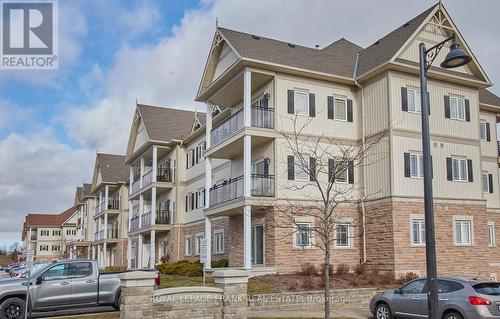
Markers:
<point>455,58</point>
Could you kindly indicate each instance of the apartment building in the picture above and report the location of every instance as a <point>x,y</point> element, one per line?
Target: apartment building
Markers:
<point>110,191</point>
<point>81,247</point>
<point>48,235</point>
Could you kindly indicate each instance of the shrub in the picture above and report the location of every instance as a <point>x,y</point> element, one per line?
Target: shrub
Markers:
<point>387,278</point>
<point>308,269</point>
<point>342,269</point>
<point>409,276</point>
<point>181,268</point>
<point>114,268</point>
<point>308,282</point>
<point>322,270</point>
<point>360,269</point>
<point>223,263</point>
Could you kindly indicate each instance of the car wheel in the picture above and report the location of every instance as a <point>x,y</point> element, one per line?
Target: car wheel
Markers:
<point>12,308</point>
<point>453,315</point>
<point>118,302</point>
<point>382,311</point>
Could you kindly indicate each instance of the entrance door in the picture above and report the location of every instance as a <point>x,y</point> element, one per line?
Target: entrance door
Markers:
<point>257,245</point>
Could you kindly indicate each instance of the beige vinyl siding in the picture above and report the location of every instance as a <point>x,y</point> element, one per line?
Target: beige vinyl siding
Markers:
<point>226,58</point>
<point>430,35</point>
<point>438,123</point>
<point>375,106</point>
<point>378,170</point>
<point>442,188</point>
<point>320,124</point>
<point>141,137</point>
<point>489,148</point>
<point>493,199</point>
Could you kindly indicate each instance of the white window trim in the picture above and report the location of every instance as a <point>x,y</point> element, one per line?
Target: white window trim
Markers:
<point>218,232</point>
<point>306,93</point>
<point>416,217</point>
<point>335,98</point>
<point>460,177</point>
<point>483,123</point>
<point>494,242</point>
<point>186,238</point>
<point>303,220</point>
<point>420,168</point>
<point>469,219</point>
<point>483,174</point>
<point>457,98</point>
<point>197,244</point>
<point>416,93</point>
<point>350,237</point>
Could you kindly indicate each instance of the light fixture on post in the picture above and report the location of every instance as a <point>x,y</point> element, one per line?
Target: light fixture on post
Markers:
<point>454,59</point>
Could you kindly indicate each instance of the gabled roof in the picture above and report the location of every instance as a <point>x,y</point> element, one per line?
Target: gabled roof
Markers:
<point>488,97</point>
<point>86,189</point>
<point>383,50</point>
<point>48,220</point>
<point>167,124</point>
<point>338,58</point>
<point>112,168</point>
<point>78,195</point>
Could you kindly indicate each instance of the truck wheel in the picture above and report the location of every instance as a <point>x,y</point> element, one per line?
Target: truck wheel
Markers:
<point>12,308</point>
<point>117,302</point>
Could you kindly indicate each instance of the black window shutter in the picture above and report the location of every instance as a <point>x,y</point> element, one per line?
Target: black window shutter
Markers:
<point>196,200</point>
<point>291,97</point>
<point>192,201</point>
<point>488,132</point>
<point>312,169</point>
<point>447,106</point>
<point>291,168</point>
<point>204,197</point>
<point>449,170</point>
<point>312,105</point>
<point>432,168</point>
<point>407,164</point>
<point>330,107</point>
<point>197,155</point>
<point>490,182</point>
<point>331,170</point>
<point>469,170</point>
<point>187,160</point>
<point>429,103</point>
<point>192,157</point>
<point>467,110</point>
<point>404,99</point>
<point>187,202</point>
<point>349,110</point>
<point>350,172</point>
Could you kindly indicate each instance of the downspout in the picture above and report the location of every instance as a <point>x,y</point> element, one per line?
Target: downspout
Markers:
<point>363,146</point>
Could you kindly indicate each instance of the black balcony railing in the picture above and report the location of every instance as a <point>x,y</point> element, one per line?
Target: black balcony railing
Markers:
<point>227,190</point>
<point>262,185</point>
<point>164,175</point>
<point>163,217</point>
<point>498,147</point>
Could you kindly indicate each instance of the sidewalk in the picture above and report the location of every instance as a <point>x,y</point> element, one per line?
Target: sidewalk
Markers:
<point>355,314</point>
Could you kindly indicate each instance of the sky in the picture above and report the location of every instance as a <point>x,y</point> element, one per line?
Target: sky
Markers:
<point>113,53</point>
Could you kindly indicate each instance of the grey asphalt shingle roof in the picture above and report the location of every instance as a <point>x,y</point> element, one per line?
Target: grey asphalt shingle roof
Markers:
<point>487,97</point>
<point>338,58</point>
<point>166,124</point>
<point>86,189</point>
<point>113,168</point>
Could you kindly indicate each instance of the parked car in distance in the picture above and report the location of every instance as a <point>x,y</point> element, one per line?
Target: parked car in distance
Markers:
<point>75,283</point>
<point>459,298</point>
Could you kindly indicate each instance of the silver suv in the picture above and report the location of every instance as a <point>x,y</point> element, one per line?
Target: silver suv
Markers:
<point>459,298</point>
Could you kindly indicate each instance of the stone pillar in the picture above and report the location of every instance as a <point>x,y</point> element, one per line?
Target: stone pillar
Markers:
<point>208,239</point>
<point>234,284</point>
<point>152,247</point>
<point>137,295</point>
<point>129,253</point>
<point>247,236</point>
<point>139,251</point>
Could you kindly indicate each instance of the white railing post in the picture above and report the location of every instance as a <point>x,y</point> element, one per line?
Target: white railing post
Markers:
<point>141,172</point>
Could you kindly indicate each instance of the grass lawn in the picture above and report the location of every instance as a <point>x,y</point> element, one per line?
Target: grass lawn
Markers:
<point>254,287</point>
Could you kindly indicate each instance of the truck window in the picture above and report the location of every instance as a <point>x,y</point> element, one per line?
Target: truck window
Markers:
<point>60,271</point>
<point>82,269</point>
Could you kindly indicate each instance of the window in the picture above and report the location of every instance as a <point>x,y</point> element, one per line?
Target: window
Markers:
<point>491,234</point>
<point>446,286</point>
<point>341,172</point>
<point>486,183</point>
<point>56,233</point>
<point>44,247</point>
<point>187,246</point>
<point>56,247</point>
<point>482,130</point>
<point>301,174</point>
<point>301,103</point>
<point>81,269</point>
<point>463,232</point>
<point>414,287</point>
<point>418,232</point>
<point>200,199</point>
<point>414,104</point>
<point>303,235</point>
<point>200,150</point>
<point>44,233</point>
<point>197,246</point>
<point>343,235</point>
<point>459,169</point>
<point>190,202</point>
<point>416,165</point>
<point>70,232</point>
<point>219,242</point>
<point>457,108</point>
<point>340,109</point>
<point>60,271</point>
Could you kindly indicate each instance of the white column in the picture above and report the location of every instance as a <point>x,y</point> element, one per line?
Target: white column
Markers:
<point>139,251</point>
<point>247,236</point>
<point>152,253</point>
<point>247,97</point>
<point>153,205</point>
<point>141,171</point>
<point>106,225</point>
<point>208,238</point>
<point>155,162</point>
<point>141,209</point>
<point>129,253</point>
<point>93,252</point>
<point>247,164</point>
<point>131,178</point>
<point>99,260</point>
<point>106,197</point>
<point>105,254</point>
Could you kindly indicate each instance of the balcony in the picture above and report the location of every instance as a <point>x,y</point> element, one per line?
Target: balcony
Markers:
<point>163,217</point>
<point>114,203</point>
<point>112,232</point>
<point>134,222</point>
<point>136,185</point>
<point>164,175</point>
<point>261,116</point>
<point>146,219</point>
<point>147,179</point>
<point>262,185</point>
<point>33,237</point>
<point>227,190</point>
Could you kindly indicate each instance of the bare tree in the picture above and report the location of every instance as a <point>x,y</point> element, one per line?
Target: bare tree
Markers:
<point>328,192</point>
